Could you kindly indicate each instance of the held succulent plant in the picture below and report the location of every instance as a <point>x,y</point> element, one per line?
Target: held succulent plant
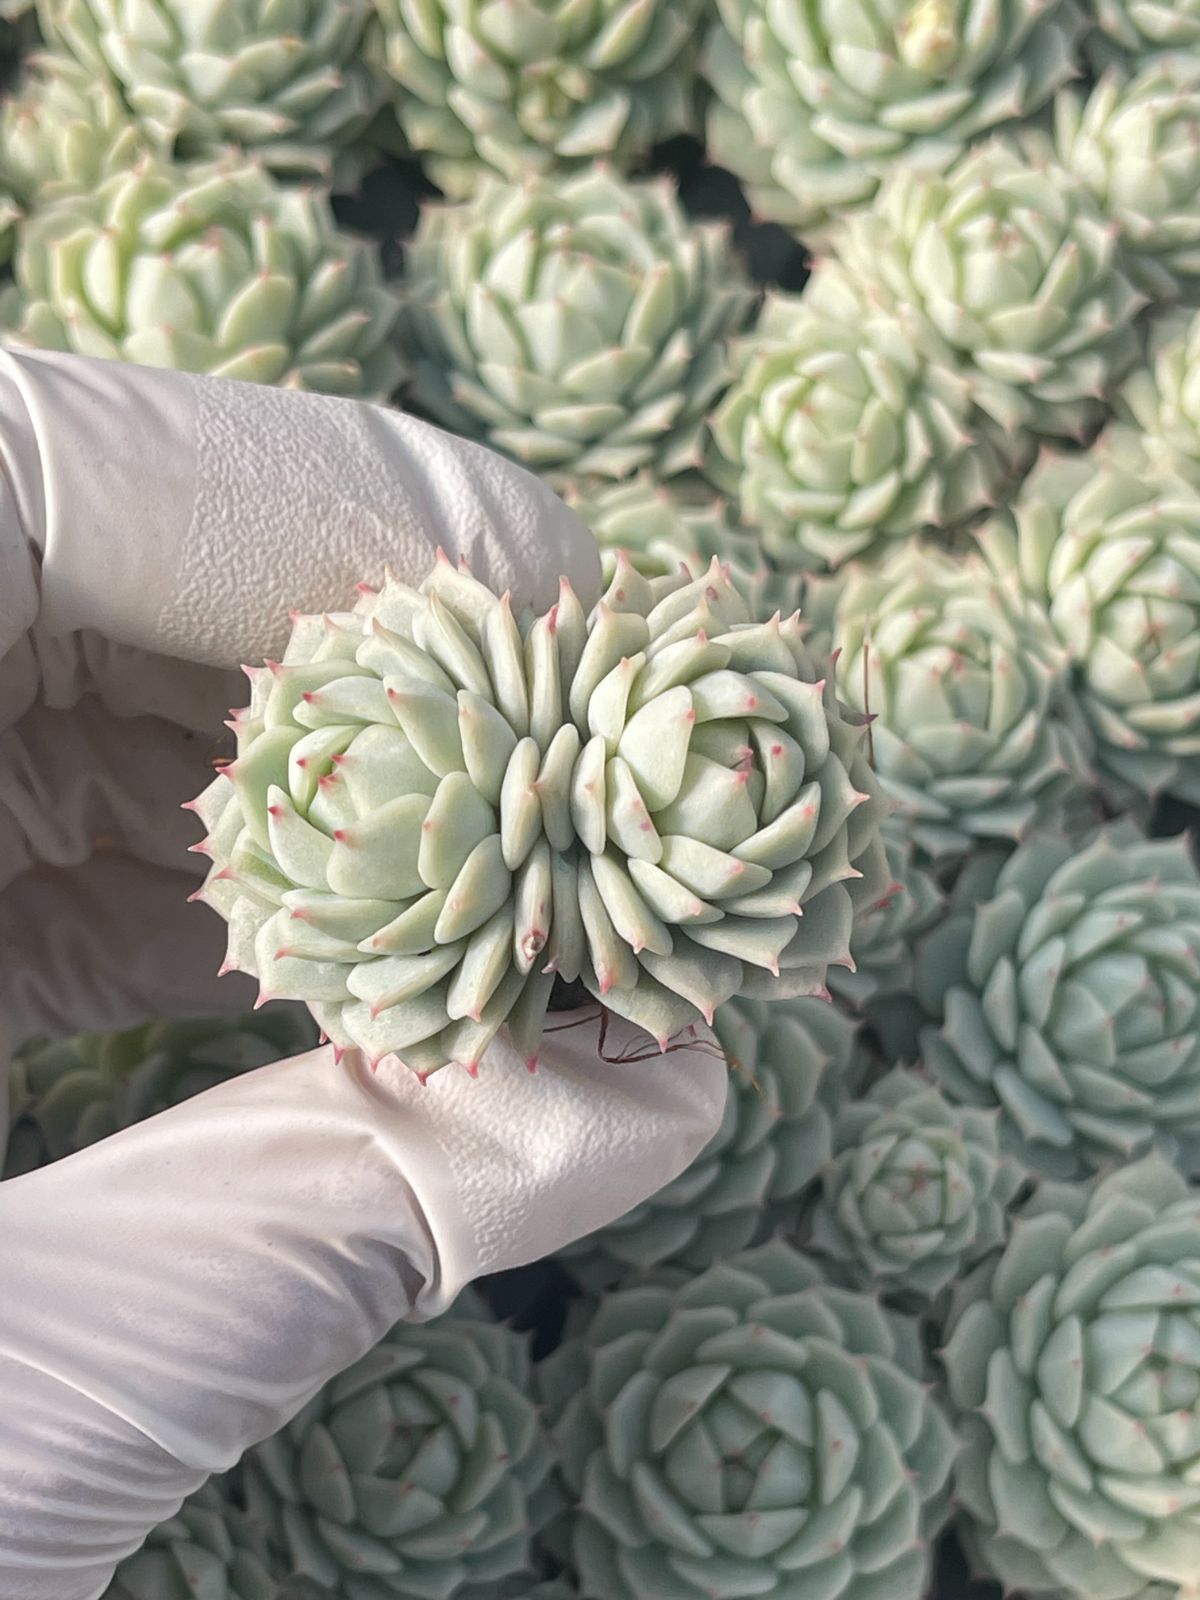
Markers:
<point>208,1551</point>
<point>917,1192</point>
<point>752,1432</point>
<point>284,78</point>
<point>847,427</point>
<point>544,86</point>
<point>436,808</point>
<point>790,1066</point>
<point>1133,143</point>
<point>1163,397</point>
<point>208,268</point>
<point>577,325</point>
<point>65,1095</point>
<point>817,103</point>
<point>420,1472</point>
<point>1015,266</point>
<point>1111,545</point>
<point>1070,1003</point>
<point>1070,1359</point>
<point>973,738</point>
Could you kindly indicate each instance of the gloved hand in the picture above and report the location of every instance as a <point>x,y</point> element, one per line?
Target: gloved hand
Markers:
<point>176,1292</point>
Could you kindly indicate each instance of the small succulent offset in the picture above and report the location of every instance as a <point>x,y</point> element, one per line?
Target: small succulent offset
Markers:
<point>209,268</point>
<point>849,426</point>
<point>578,325</point>
<point>1132,141</point>
<point>917,1192</point>
<point>65,131</point>
<point>1111,546</point>
<point>790,1067</point>
<point>754,1431</point>
<point>1071,1003</point>
<point>282,77</point>
<point>208,1551</point>
<point>1015,266</point>
<point>66,1094</point>
<point>1163,397</point>
<point>1071,1361</point>
<point>419,1473</point>
<point>972,737</point>
<point>437,806</point>
<point>817,103</point>
<point>547,85</point>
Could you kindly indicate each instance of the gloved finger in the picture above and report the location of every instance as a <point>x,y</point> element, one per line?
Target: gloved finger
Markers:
<point>202,1274</point>
<point>186,515</point>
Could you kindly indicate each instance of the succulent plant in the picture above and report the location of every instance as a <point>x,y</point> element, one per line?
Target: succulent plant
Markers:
<point>1070,1359</point>
<point>753,1431</point>
<point>578,325</point>
<point>847,428</point>
<point>420,1472</point>
<point>208,268</point>
<point>543,86</point>
<point>66,131</point>
<point>917,1192</point>
<point>973,738</point>
<point>67,1094</point>
<point>1133,143</point>
<point>1132,29</point>
<point>282,77</point>
<point>1015,266</point>
<point>436,808</point>
<point>881,943</point>
<point>208,1551</point>
<point>1111,545</point>
<point>1163,397</point>
<point>815,105</point>
<point>790,1067</point>
<point>1070,1002</point>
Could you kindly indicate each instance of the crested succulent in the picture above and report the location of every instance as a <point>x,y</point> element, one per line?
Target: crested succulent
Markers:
<point>973,737</point>
<point>544,86</point>
<point>754,1431</point>
<point>917,1191</point>
<point>848,427</point>
<point>1133,143</point>
<point>1163,397</point>
<point>1070,1359</point>
<point>816,104</point>
<point>578,325</point>
<point>284,78</point>
<point>881,943</point>
<point>1130,30</point>
<point>1015,266</point>
<point>436,807</point>
<point>420,1472</point>
<point>208,268</point>
<point>790,1065</point>
<point>1111,545</point>
<point>1070,1003</point>
<point>65,131</point>
<point>208,1551</point>
<point>67,1094</point>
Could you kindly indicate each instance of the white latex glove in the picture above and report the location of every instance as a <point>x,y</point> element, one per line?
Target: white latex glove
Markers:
<point>175,1293</point>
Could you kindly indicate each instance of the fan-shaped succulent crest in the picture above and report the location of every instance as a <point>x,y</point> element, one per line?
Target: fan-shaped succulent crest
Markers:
<point>436,807</point>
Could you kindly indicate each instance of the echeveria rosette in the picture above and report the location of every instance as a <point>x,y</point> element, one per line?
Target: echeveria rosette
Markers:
<point>1130,31</point>
<point>848,426</point>
<point>542,86</point>
<point>1070,1360</point>
<point>284,78</point>
<point>752,1431</point>
<point>436,807</point>
<point>1133,142</point>
<point>881,943</point>
<point>1111,546</point>
<point>208,267</point>
<point>578,325</point>
<point>974,737</point>
<point>208,1551</point>
<point>421,1472</point>
<point>816,103</point>
<point>1163,397</point>
<point>789,1069</point>
<point>1072,1003</point>
<point>917,1192</point>
<point>1015,267</point>
<point>66,1094</point>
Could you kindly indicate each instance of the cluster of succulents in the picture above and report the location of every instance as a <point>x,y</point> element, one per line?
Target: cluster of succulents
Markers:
<point>863,336</point>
